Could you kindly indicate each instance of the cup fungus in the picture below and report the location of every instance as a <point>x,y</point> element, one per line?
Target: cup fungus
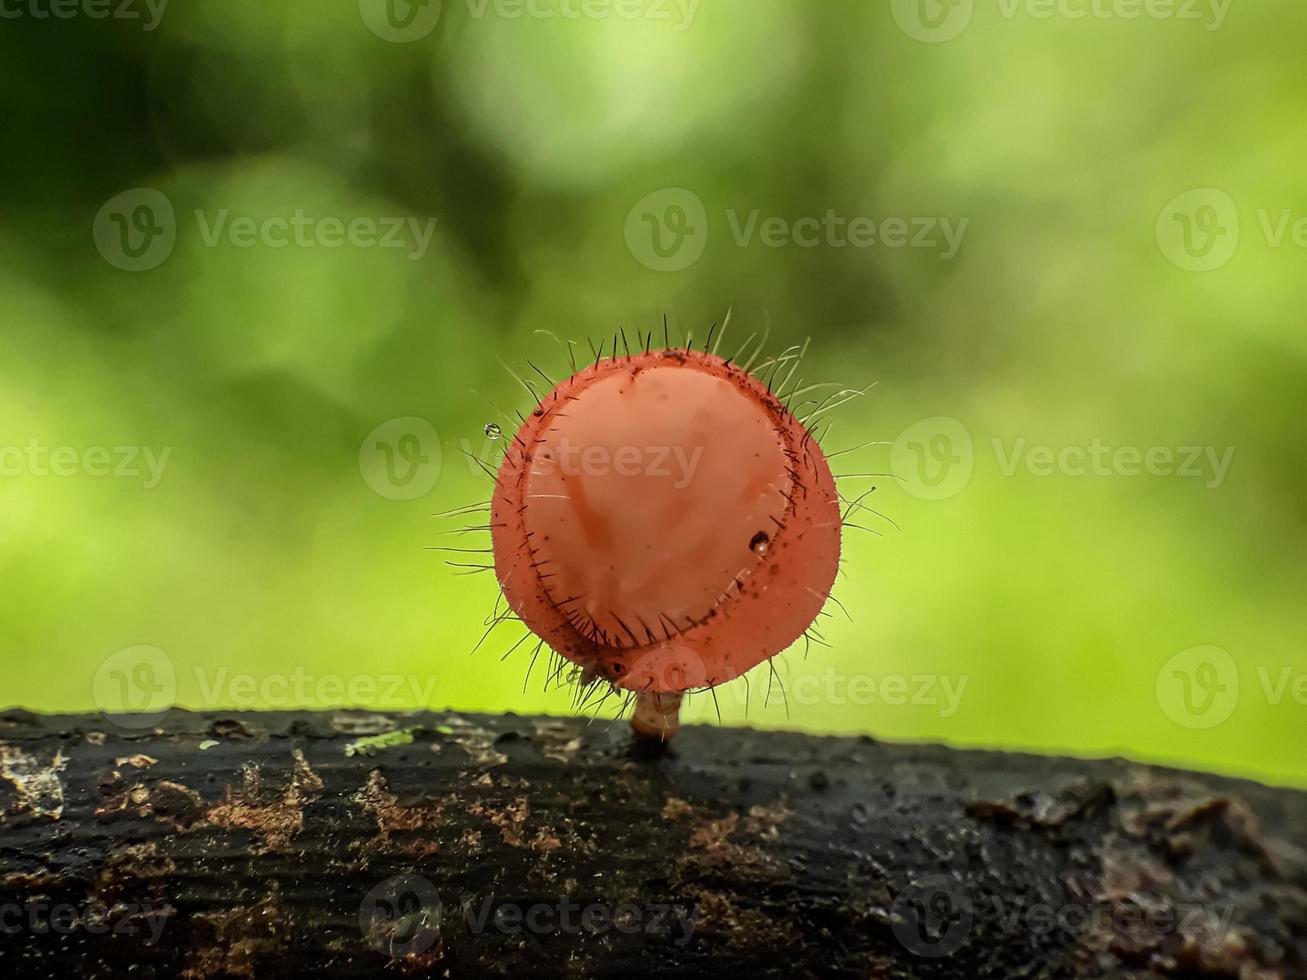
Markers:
<point>663,521</point>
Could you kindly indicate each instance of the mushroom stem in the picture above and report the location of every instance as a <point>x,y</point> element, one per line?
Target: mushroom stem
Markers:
<point>657,715</point>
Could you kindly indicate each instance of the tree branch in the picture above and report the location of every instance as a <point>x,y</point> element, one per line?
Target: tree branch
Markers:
<point>367,845</point>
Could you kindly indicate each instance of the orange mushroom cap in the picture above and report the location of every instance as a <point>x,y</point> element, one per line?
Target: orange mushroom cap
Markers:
<point>663,521</point>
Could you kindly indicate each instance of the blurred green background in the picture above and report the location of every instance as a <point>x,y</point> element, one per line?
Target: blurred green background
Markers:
<point>1124,193</point>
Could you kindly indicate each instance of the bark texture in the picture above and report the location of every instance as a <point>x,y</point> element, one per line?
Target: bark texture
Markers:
<point>367,845</point>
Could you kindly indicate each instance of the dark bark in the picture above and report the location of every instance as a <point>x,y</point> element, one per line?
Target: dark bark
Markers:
<point>270,845</point>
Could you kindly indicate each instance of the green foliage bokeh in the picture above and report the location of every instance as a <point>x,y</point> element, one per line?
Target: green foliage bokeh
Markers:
<point>1055,605</point>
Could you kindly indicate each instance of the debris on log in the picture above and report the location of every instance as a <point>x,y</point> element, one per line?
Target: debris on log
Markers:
<point>356,844</point>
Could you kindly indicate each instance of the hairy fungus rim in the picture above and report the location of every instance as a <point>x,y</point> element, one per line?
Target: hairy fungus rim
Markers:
<point>597,659</point>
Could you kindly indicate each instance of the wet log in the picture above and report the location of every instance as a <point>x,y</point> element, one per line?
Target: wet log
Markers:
<point>355,844</point>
